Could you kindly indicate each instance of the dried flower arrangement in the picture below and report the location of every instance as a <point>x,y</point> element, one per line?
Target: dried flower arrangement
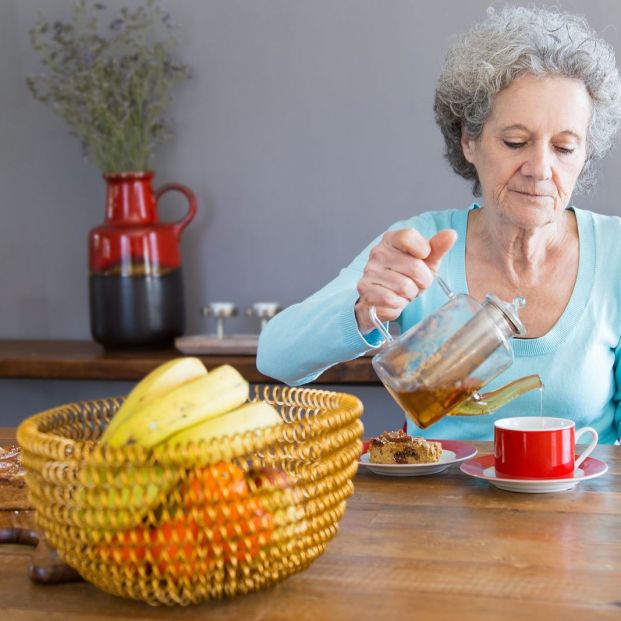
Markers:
<point>111,85</point>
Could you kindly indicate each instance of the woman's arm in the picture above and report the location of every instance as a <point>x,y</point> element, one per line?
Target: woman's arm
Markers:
<point>302,341</point>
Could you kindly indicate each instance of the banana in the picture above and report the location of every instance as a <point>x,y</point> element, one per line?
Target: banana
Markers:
<point>256,415</point>
<point>221,390</point>
<point>121,497</point>
<point>160,381</point>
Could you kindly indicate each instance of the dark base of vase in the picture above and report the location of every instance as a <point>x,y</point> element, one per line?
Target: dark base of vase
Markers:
<point>137,311</point>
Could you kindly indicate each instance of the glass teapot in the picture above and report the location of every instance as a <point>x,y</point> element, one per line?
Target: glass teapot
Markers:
<point>439,365</point>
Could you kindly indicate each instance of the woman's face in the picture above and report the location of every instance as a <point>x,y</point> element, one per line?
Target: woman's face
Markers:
<point>532,149</point>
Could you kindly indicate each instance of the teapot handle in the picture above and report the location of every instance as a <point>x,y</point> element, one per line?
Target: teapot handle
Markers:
<point>183,222</point>
<point>379,325</point>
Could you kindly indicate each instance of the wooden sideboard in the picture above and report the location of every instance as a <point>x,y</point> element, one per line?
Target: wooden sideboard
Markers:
<point>86,360</point>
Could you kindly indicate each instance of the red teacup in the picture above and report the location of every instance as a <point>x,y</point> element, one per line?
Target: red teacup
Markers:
<point>539,447</point>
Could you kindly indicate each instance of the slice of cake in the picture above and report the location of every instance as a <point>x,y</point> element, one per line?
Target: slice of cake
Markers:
<point>13,492</point>
<point>397,447</point>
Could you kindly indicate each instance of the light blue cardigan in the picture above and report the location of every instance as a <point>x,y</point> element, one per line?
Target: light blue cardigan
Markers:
<point>577,360</point>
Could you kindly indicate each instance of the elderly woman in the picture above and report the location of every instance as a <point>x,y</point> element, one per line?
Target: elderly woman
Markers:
<point>527,101</point>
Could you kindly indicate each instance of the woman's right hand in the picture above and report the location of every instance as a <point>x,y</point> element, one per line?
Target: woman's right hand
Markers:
<point>399,268</point>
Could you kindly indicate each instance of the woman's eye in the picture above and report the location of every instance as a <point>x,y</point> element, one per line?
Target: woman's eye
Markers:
<point>514,145</point>
<point>565,150</point>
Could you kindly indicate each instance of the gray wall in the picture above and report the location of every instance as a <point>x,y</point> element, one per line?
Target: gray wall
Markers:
<point>306,130</point>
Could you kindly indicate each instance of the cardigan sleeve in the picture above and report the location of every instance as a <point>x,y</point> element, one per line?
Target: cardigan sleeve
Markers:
<point>302,341</point>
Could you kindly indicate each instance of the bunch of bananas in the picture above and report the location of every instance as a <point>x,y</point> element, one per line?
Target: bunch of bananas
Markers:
<point>180,401</point>
<point>176,403</point>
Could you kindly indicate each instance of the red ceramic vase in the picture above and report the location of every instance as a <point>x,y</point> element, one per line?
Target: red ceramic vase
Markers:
<point>135,280</point>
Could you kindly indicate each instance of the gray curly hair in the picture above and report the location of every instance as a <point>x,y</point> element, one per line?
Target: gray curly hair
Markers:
<point>516,41</point>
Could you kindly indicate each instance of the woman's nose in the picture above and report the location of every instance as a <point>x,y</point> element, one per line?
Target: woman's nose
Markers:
<point>538,163</point>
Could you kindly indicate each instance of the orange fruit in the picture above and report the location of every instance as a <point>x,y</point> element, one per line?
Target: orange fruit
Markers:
<point>239,522</point>
<point>217,483</point>
<point>217,499</point>
<point>172,545</point>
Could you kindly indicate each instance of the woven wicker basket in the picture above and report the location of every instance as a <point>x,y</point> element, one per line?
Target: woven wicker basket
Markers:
<point>184,524</point>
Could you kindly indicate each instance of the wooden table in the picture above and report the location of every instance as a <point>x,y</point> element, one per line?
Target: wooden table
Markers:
<point>444,547</point>
<point>86,360</point>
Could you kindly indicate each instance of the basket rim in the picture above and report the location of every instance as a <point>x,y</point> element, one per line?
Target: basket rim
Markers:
<point>53,446</point>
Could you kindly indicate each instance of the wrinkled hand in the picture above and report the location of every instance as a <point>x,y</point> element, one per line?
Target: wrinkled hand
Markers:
<point>399,268</point>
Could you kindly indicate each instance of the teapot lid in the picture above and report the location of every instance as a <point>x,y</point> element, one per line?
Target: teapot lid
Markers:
<point>508,311</point>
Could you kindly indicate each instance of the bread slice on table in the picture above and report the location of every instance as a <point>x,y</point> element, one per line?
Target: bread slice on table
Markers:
<point>397,447</point>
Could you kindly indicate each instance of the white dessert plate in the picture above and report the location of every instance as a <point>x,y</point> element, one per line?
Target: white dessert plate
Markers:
<point>483,468</point>
<point>453,452</point>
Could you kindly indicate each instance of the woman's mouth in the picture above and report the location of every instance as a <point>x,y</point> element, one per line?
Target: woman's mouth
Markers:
<point>531,195</point>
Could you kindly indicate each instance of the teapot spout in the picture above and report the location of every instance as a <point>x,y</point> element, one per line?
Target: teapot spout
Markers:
<point>490,401</point>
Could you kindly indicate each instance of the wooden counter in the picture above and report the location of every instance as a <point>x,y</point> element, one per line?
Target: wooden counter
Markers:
<point>444,548</point>
<point>86,360</point>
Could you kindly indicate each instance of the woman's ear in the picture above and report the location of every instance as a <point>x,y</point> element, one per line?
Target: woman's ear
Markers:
<point>467,146</point>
